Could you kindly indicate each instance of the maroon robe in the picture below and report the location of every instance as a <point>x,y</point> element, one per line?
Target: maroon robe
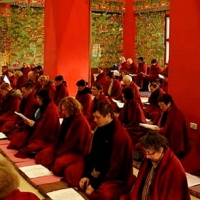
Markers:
<point>45,132</point>
<point>136,93</point>
<point>123,67</point>
<point>13,81</point>
<point>9,104</point>
<point>20,81</point>
<point>130,116</point>
<point>74,146</point>
<point>25,70</point>
<point>18,195</point>
<point>142,68</point>
<point>115,91</point>
<point>153,110</point>
<point>153,73</point>
<point>132,68</point>
<point>169,181</point>
<point>175,130</point>
<point>119,178</point>
<point>85,98</point>
<point>101,79</point>
<point>61,92</point>
<point>164,84</point>
<point>16,129</point>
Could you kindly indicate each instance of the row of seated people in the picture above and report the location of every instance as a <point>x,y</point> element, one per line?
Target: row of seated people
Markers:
<point>101,168</point>
<point>140,73</point>
<point>37,128</point>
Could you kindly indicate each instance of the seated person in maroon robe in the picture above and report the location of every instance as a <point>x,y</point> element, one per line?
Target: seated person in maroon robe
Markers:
<point>97,92</point>
<point>155,69</point>
<point>131,66</point>
<point>173,126</point>
<point>122,64</point>
<point>73,141</point>
<point>10,102</point>
<point>131,115</point>
<point>108,166</point>
<point>25,69</point>
<point>83,95</point>
<point>161,175</point>
<point>153,110</point>
<point>44,82</point>
<point>127,81</point>
<point>101,78</point>
<point>113,87</point>
<point>43,128</point>
<point>61,89</point>
<point>142,69</point>
<point>21,79</point>
<point>164,84</point>
<point>9,183</point>
<point>17,128</point>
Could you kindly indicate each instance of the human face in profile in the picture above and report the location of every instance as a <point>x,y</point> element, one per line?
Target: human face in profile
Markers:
<point>65,111</point>
<point>152,154</point>
<point>164,106</point>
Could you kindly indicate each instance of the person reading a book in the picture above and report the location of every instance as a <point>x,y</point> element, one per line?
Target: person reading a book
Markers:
<point>161,175</point>
<point>172,125</point>
<point>10,101</point>
<point>43,129</point>
<point>131,115</point>
<point>73,140</point>
<point>107,172</point>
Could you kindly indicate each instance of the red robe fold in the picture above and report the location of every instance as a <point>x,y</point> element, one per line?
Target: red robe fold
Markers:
<point>18,195</point>
<point>115,91</point>
<point>9,104</point>
<point>132,68</point>
<point>120,178</point>
<point>175,130</point>
<point>130,116</point>
<point>101,79</point>
<point>142,68</point>
<point>74,146</point>
<point>61,92</point>
<point>45,133</point>
<point>153,73</point>
<point>169,181</point>
<point>20,81</point>
<point>15,129</point>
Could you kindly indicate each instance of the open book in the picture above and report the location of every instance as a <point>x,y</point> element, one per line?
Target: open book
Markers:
<point>63,194</point>
<point>119,103</point>
<point>21,115</point>
<point>2,136</point>
<point>192,180</point>
<point>149,126</point>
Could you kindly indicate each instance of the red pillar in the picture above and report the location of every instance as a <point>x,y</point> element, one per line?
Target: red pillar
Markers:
<point>129,30</point>
<point>67,40</point>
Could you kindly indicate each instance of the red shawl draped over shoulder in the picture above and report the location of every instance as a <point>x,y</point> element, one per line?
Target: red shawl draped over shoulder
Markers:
<point>61,92</point>
<point>169,181</point>
<point>175,130</point>
<point>45,133</point>
<point>131,115</point>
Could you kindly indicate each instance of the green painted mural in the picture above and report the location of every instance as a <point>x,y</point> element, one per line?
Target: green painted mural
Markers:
<point>150,36</point>
<point>107,39</point>
<point>27,30</point>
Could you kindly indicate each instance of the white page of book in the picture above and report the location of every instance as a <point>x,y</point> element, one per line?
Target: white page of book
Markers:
<point>69,194</point>
<point>192,180</point>
<point>149,126</point>
<point>2,136</point>
<point>119,104</point>
<point>34,171</point>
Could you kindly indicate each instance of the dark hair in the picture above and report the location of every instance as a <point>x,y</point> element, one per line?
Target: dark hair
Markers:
<point>166,98</point>
<point>28,85</point>
<point>59,78</point>
<point>155,84</point>
<point>153,61</point>
<point>128,93</point>
<point>101,68</point>
<point>141,58</point>
<point>98,86</point>
<point>153,140</point>
<point>39,67</point>
<point>43,94</point>
<point>103,108</point>
<point>110,74</point>
<point>81,83</point>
